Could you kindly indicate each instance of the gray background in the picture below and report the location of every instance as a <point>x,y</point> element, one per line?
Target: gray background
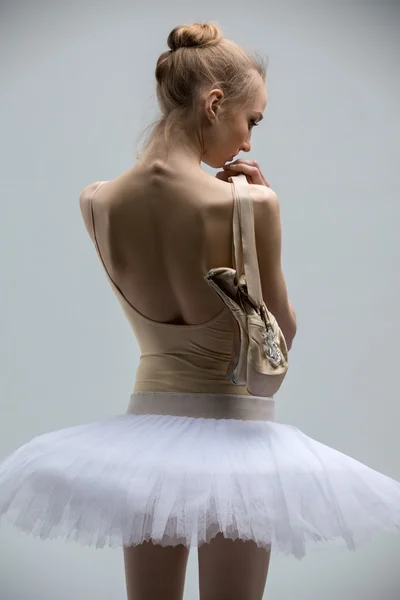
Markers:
<point>76,90</point>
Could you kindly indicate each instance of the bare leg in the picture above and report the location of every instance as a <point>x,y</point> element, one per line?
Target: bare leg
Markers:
<point>232,570</point>
<point>155,572</point>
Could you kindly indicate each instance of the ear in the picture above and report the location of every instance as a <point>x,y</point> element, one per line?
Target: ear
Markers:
<point>212,102</point>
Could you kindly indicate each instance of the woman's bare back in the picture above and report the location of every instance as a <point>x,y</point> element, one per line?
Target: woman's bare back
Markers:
<point>165,228</point>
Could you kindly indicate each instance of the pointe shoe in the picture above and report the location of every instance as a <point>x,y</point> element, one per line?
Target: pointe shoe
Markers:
<point>223,281</point>
<point>260,354</point>
<point>267,360</point>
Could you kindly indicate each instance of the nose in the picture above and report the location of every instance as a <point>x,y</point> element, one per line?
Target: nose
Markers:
<point>246,146</point>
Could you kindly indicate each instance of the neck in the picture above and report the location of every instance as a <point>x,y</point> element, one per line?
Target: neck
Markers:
<point>179,148</point>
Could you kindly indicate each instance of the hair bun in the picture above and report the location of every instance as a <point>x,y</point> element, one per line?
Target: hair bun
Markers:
<point>192,36</point>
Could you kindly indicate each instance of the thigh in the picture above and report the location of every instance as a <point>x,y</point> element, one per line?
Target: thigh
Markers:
<point>232,569</point>
<point>154,572</point>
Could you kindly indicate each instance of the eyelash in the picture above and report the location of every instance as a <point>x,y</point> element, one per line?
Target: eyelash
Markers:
<point>253,123</point>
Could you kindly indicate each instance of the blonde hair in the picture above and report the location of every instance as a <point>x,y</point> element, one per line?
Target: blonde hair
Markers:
<point>200,58</point>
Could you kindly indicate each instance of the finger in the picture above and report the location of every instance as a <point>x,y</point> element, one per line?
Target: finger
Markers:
<point>251,171</point>
<point>227,176</point>
<point>242,167</point>
<point>253,163</point>
<point>250,163</point>
<point>245,161</point>
<point>223,175</point>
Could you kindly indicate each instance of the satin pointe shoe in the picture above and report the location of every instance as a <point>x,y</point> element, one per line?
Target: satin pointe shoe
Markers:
<point>260,354</point>
<point>267,360</point>
<point>223,281</point>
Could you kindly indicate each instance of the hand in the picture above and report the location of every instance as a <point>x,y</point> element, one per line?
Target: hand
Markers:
<point>249,167</point>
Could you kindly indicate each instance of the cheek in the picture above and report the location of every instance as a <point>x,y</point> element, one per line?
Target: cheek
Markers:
<point>230,139</point>
<point>242,131</point>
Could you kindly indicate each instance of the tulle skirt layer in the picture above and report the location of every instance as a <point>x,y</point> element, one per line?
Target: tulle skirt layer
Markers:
<point>183,479</point>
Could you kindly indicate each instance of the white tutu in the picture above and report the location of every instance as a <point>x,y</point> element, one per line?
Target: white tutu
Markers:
<point>181,480</point>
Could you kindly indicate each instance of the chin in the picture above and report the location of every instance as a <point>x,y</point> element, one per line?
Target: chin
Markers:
<point>216,163</point>
<point>221,164</point>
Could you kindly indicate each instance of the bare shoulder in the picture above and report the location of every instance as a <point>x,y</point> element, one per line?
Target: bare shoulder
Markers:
<point>85,198</point>
<point>88,192</point>
<point>266,205</point>
<point>84,203</point>
<point>264,195</point>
